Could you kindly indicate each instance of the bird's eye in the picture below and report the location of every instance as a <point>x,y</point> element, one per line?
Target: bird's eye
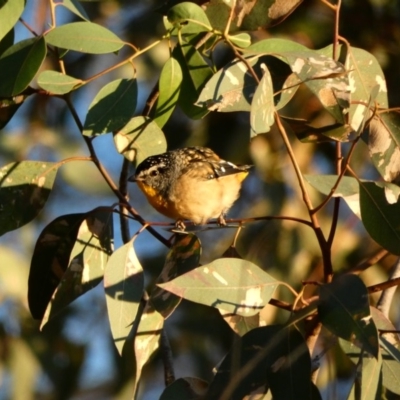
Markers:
<point>154,172</point>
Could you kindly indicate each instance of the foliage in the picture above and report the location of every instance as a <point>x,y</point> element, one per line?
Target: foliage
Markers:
<point>318,122</point>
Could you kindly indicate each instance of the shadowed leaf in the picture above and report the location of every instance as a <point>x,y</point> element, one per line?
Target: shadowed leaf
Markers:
<point>57,83</point>
<point>344,310</point>
<point>185,388</point>
<point>24,189</point>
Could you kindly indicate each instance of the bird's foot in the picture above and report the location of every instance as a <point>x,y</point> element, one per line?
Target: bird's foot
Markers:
<point>221,220</point>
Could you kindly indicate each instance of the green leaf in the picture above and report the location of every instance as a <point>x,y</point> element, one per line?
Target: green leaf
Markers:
<point>230,89</point>
<point>269,46</point>
<point>273,357</point>
<point>242,40</point>
<point>139,138</point>
<point>344,310</point>
<point>24,189</point>
<point>124,286</point>
<point>185,388</point>
<point>368,372</point>
<point>233,285</point>
<point>58,83</point>
<point>50,260</point>
<point>239,324</point>
<point>262,105</point>
<point>19,64</point>
<point>195,73</point>
<point>169,88</point>
<point>85,37</point>
<point>185,12</point>
<point>384,145</point>
<point>365,74</point>
<point>184,256</point>
<point>10,11</point>
<point>112,107</point>
<point>381,219</point>
<point>390,365</point>
<point>87,259</point>
<point>75,7</point>
<point>147,338</point>
<point>249,16</point>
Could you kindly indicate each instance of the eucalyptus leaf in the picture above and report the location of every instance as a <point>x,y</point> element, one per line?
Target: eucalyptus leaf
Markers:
<point>58,83</point>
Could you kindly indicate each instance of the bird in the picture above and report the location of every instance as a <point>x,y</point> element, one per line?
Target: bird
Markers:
<point>191,183</point>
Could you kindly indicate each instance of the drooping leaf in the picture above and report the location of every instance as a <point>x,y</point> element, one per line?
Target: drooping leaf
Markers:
<point>189,17</point>
<point>365,74</point>
<point>384,145</point>
<point>262,105</point>
<point>75,7</point>
<point>233,285</point>
<point>184,256</point>
<point>50,260</point>
<point>86,260</point>
<point>185,388</point>
<point>24,189</point>
<point>231,88</point>
<point>58,83</point>
<point>19,64</point>
<point>124,286</point>
<point>195,73</point>
<point>239,324</point>
<point>139,138</point>
<point>344,310</point>
<point>10,11</point>
<point>147,338</point>
<point>275,358</point>
<point>169,88</point>
<point>390,365</point>
<point>111,108</point>
<point>380,218</point>
<point>85,37</point>
<point>368,369</point>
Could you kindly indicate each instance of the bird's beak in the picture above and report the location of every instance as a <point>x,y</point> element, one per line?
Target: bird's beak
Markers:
<point>132,179</point>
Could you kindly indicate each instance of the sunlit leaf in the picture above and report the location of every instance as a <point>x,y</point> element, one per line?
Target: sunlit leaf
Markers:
<point>10,11</point>
<point>112,107</point>
<point>87,259</point>
<point>189,17</point>
<point>231,88</point>
<point>249,15</point>
<point>368,371</point>
<point>344,310</point>
<point>380,218</point>
<point>262,105</point>
<point>241,40</point>
<point>57,83</point>
<point>19,64</point>
<point>278,355</point>
<point>123,285</point>
<point>85,37</point>
<point>183,257</point>
<point>390,365</point>
<point>185,388</point>
<point>239,324</point>
<point>169,88</point>
<point>384,145</point>
<point>140,138</point>
<point>24,189</point>
<point>365,74</point>
<point>275,45</point>
<point>234,285</point>
<point>147,338</point>
<point>75,7</point>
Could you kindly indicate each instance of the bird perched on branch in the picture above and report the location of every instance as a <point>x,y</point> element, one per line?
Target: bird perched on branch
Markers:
<point>192,183</point>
